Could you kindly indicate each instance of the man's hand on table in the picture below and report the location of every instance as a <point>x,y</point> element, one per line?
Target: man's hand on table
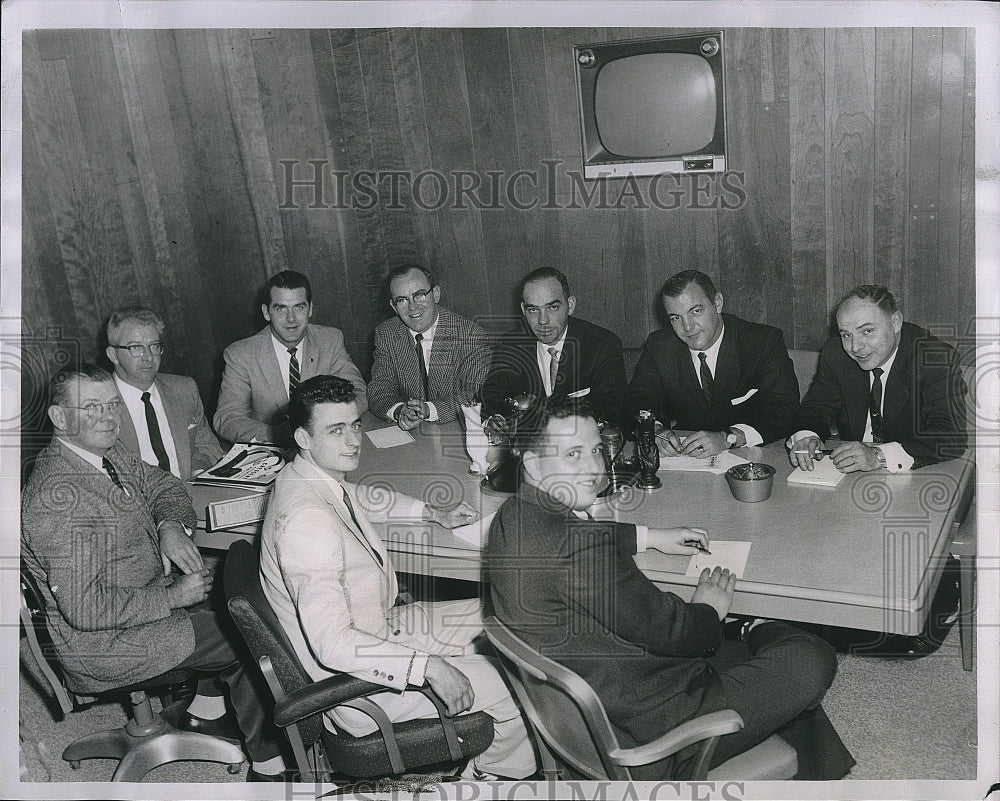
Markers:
<point>411,414</point>
<point>451,685</point>
<point>677,540</point>
<point>716,588</point>
<point>459,515</point>
<point>804,451</point>
<point>704,444</point>
<point>177,547</point>
<point>852,457</point>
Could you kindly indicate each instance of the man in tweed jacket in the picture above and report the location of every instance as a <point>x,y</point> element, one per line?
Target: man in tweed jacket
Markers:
<point>456,354</point>
<point>100,531</point>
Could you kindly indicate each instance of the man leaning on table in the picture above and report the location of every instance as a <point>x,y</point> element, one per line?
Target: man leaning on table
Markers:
<point>163,419</point>
<point>893,389</point>
<point>569,586</point>
<point>728,381</point>
<point>428,360</point>
<point>261,370</point>
<point>332,585</point>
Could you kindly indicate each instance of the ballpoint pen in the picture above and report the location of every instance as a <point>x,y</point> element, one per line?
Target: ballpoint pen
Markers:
<point>818,451</point>
<point>698,545</point>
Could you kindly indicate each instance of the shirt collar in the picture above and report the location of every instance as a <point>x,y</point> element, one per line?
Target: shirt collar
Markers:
<point>886,366</point>
<point>559,344</point>
<point>90,458</point>
<point>134,394</point>
<point>428,334</point>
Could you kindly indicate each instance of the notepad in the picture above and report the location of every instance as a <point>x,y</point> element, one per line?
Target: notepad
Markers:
<point>389,437</point>
<point>823,474</point>
<point>720,465</point>
<point>730,554</point>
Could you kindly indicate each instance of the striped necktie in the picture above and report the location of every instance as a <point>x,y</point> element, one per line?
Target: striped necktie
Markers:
<point>293,369</point>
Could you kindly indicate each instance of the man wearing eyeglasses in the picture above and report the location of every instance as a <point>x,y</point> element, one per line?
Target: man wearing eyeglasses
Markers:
<point>262,370</point>
<point>164,421</point>
<point>105,536</point>
<point>428,360</point>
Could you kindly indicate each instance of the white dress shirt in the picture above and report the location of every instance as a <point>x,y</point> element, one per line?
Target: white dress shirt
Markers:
<point>284,357</point>
<point>132,398</point>
<point>545,359</point>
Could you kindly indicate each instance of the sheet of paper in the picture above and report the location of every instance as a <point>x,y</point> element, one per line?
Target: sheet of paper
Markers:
<point>389,437</point>
<point>725,553</point>
<point>476,532</point>
<point>823,474</point>
<point>723,462</point>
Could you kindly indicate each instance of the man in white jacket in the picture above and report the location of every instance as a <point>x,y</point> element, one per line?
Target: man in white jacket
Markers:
<point>332,585</point>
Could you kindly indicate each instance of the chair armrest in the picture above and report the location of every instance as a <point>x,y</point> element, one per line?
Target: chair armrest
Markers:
<point>714,724</point>
<point>320,696</point>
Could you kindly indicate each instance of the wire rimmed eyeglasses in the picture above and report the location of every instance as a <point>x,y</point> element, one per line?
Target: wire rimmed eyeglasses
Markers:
<point>136,349</point>
<point>95,409</point>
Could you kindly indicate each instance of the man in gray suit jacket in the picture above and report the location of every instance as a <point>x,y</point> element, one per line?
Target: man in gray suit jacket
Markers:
<point>428,360</point>
<point>163,419</point>
<point>101,530</point>
<point>262,369</point>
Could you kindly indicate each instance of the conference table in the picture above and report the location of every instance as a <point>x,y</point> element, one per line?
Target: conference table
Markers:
<point>865,554</point>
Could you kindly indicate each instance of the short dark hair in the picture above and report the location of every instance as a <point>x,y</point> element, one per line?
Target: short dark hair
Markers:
<point>287,279</point>
<point>59,384</point>
<point>403,269</point>
<point>316,390</point>
<point>133,314</point>
<point>532,425</point>
<point>876,293</point>
<point>678,282</point>
<point>546,272</point>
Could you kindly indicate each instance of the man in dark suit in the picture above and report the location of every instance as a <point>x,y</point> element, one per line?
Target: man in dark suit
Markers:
<point>557,353</point>
<point>100,532</point>
<point>894,391</point>
<point>728,380</point>
<point>163,420</point>
<point>260,370</point>
<point>428,360</point>
<point>569,586</point>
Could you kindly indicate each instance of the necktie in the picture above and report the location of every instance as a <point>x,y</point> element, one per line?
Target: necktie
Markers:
<point>707,382</point>
<point>293,369</point>
<point>425,385</point>
<point>155,439</point>
<point>875,406</point>
<point>553,369</point>
<point>354,517</point>
<point>110,470</point>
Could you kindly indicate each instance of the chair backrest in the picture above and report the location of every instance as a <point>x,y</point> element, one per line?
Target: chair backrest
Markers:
<point>260,628</point>
<point>36,630</point>
<point>804,362</point>
<point>563,709</point>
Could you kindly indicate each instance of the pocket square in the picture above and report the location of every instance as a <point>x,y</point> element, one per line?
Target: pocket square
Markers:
<point>741,398</point>
<point>579,393</point>
<point>192,425</point>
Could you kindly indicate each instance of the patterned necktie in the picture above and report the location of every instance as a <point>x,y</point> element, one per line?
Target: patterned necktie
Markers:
<point>707,382</point>
<point>155,438</point>
<point>110,470</point>
<point>875,406</point>
<point>354,517</point>
<point>553,369</point>
<point>293,369</point>
<point>422,364</point>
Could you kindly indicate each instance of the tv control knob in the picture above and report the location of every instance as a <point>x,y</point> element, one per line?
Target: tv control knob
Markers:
<point>586,58</point>
<point>709,46</point>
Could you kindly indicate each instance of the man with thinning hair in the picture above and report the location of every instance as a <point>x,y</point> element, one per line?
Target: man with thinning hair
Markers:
<point>262,370</point>
<point>726,380</point>
<point>164,420</point>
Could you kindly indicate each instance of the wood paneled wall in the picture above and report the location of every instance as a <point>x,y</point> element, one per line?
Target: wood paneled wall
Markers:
<point>156,162</point>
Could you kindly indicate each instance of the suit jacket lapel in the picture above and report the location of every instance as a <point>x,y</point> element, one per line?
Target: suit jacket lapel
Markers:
<point>176,421</point>
<point>267,362</point>
<point>689,379</point>
<point>857,400</point>
<point>309,366</point>
<point>726,368</point>
<point>126,431</point>
<point>896,389</point>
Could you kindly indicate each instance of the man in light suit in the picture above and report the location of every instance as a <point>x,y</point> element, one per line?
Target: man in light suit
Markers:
<point>100,533</point>
<point>428,360</point>
<point>331,583</point>
<point>163,421</point>
<point>729,381</point>
<point>555,352</point>
<point>260,370</point>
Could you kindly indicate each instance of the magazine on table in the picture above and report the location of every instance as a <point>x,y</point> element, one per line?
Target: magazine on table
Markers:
<point>246,464</point>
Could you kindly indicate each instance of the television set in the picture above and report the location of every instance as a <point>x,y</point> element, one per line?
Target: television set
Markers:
<point>651,106</point>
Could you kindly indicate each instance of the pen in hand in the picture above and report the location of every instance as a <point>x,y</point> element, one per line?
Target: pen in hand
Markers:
<point>698,545</point>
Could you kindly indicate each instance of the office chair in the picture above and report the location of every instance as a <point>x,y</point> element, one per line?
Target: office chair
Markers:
<point>148,739</point>
<point>964,546</point>
<point>299,701</point>
<point>571,727</point>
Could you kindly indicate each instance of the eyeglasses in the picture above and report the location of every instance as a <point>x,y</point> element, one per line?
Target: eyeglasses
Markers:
<point>96,409</point>
<point>136,349</point>
<point>418,297</point>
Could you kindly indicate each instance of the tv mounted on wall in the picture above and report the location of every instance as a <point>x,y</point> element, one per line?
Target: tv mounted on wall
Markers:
<point>650,106</point>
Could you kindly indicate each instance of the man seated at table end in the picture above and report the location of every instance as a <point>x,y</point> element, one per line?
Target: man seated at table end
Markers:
<point>568,586</point>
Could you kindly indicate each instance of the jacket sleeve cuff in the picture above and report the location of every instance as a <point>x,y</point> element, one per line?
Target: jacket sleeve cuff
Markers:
<point>752,435</point>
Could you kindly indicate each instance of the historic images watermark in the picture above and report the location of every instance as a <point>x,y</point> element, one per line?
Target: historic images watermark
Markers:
<point>313,184</point>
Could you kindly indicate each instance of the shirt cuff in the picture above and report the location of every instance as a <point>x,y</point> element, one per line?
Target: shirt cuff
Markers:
<point>800,435</point>
<point>432,417</point>
<point>391,413</point>
<point>418,666</point>
<point>641,538</point>
<point>752,435</point>
<point>189,531</point>
<point>897,460</point>
<point>414,511</point>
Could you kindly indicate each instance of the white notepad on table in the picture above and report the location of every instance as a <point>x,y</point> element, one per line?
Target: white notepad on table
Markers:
<point>725,553</point>
<point>389,437</point>
<point>823,474</point>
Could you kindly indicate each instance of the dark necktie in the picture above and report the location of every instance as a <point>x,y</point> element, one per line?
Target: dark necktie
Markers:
<point>553,369</point>
<point>354,517</point>
<point>293,369</point>
<point>110,470</point>
<point>155,438</point>
<point>875,406</point>
<point>424,383</point>
<point>707,382</point>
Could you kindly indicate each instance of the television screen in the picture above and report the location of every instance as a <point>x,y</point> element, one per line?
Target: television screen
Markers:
<point>651,106</point>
